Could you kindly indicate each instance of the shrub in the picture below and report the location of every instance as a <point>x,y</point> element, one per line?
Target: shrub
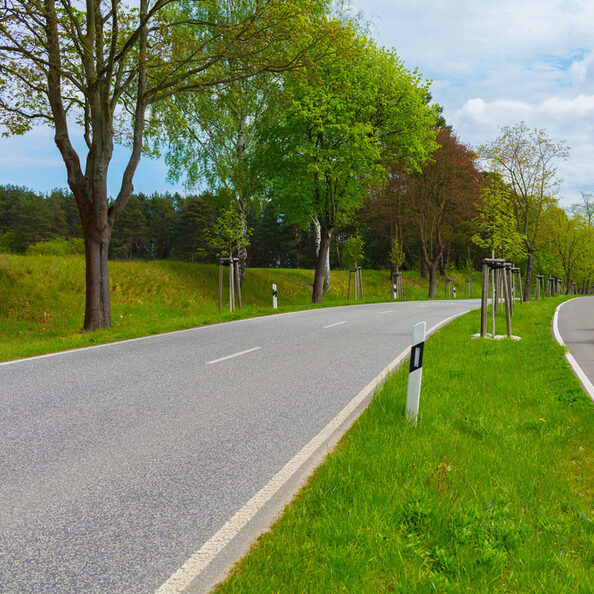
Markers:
<point>61,246</point>
<point>11,243</point>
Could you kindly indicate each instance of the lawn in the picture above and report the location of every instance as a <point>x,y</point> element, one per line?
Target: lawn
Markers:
<point>491,492</point>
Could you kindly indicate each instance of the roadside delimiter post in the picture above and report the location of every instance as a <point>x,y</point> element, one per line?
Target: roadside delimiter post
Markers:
<point>274,301</point>
<point>415,372</point>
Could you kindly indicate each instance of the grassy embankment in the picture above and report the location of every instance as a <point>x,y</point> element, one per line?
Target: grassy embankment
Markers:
<point>42,299</point>
<point>491,492</point>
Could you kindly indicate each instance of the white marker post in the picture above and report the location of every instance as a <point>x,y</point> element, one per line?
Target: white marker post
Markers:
<point>416,369</point>
<point>274,301</point>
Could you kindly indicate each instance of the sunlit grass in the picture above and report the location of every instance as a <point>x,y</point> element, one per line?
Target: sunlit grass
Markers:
<point>42,299</point>
<point>491,492</point>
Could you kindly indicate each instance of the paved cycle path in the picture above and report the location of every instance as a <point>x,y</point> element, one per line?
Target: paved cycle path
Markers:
<point>118,462</point>
<point>576,327</point>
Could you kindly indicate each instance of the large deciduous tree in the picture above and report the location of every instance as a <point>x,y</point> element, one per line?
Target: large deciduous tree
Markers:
<point>212,137</point>
<point>525,159</point>
<point>564,238</point>
<point>97,65</point>
<point>440,196</point>
<point>340,113</point>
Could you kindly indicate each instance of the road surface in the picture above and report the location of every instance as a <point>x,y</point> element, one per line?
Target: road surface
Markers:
<point>576,328</point>
<point>118,462</point>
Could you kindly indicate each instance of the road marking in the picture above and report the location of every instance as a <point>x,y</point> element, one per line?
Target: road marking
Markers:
<point>233,356</point>
<point>210,327</point>
<point>387,311</point>
<point>586,383</point>
<point>196,564</point>
<point>336,324</point>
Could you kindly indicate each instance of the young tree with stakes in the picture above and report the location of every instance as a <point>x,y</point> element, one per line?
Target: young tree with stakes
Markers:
<point>525,160</point>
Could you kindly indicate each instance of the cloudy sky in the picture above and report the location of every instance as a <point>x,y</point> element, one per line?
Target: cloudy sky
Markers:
<point>492,62</point>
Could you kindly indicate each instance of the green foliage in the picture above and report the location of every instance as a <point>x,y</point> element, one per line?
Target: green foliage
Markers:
<point>498,226</point>
<point>468,269</point>
<point>231,233</point>
<point>524,159</point>
<point>397,255</point>
<point>339,113</point>
<point>352,251</point>
<point>11,243</point>
<point>61,246</point>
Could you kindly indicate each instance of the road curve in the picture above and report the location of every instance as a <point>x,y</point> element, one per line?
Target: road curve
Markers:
<point>118,462</point>
<point>575,325</point>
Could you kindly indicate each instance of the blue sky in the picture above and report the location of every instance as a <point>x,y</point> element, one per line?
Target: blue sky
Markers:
<point>492,63</point>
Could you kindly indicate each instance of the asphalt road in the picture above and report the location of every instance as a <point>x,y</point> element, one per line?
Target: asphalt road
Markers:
<point>117,462</point>
<point>576,326</point>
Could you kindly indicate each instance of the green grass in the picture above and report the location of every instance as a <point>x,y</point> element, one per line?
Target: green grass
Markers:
<point>491,492</point>
<point>42,299</point>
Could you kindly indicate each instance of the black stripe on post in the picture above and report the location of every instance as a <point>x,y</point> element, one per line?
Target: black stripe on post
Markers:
<point>416,357</point>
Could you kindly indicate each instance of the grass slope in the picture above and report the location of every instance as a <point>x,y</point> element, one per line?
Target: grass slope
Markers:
<point>492,492</point>
<point>42,299</point>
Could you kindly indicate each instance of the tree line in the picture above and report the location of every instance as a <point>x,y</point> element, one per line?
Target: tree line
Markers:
<point>314,142</point>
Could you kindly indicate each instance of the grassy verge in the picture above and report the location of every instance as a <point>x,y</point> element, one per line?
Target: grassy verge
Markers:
<point>491,492</point>
<point>42,299</point>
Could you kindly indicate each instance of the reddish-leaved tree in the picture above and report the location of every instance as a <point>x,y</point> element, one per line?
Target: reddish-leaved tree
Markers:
<point>440,197</point>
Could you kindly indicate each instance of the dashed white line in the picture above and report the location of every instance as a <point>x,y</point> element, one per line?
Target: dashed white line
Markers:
<point>336,324</point>
<point>387,311</point>
<point>233,355</point>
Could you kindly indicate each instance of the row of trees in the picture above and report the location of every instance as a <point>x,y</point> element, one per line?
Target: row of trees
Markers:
<point>200,77</point>
<point>159,226</point>
<point>305,131</point>
<point>433,223</point>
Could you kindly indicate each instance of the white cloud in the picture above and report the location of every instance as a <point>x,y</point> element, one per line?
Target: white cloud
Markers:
<point>497,63</point>
<point>582,72</point>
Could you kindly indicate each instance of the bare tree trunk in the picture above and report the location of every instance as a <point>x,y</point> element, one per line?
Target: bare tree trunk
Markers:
<point>432,267</point>
<point>327,271</point>
<point>97,306</point>
<point>423,270</point>
<point>338,257</point>
<point>326,263</point>
<point>242,252</point>
<point>318,290</point>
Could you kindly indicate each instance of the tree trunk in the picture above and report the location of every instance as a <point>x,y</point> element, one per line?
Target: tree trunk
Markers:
<point>528,281</point>
<point>423,270</point>
<point>326,287</point>
<point>242,252</point>
<point>97,307</point>
<point>326,263</point>
<point>318,290</point>
<point>432,266</point>
<point>338,257</point>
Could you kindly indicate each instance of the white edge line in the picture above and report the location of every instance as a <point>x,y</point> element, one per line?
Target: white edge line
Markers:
<point>586,383</point>
<point>192,568</point>
<point>335,324</point>
<point>233,355</point>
